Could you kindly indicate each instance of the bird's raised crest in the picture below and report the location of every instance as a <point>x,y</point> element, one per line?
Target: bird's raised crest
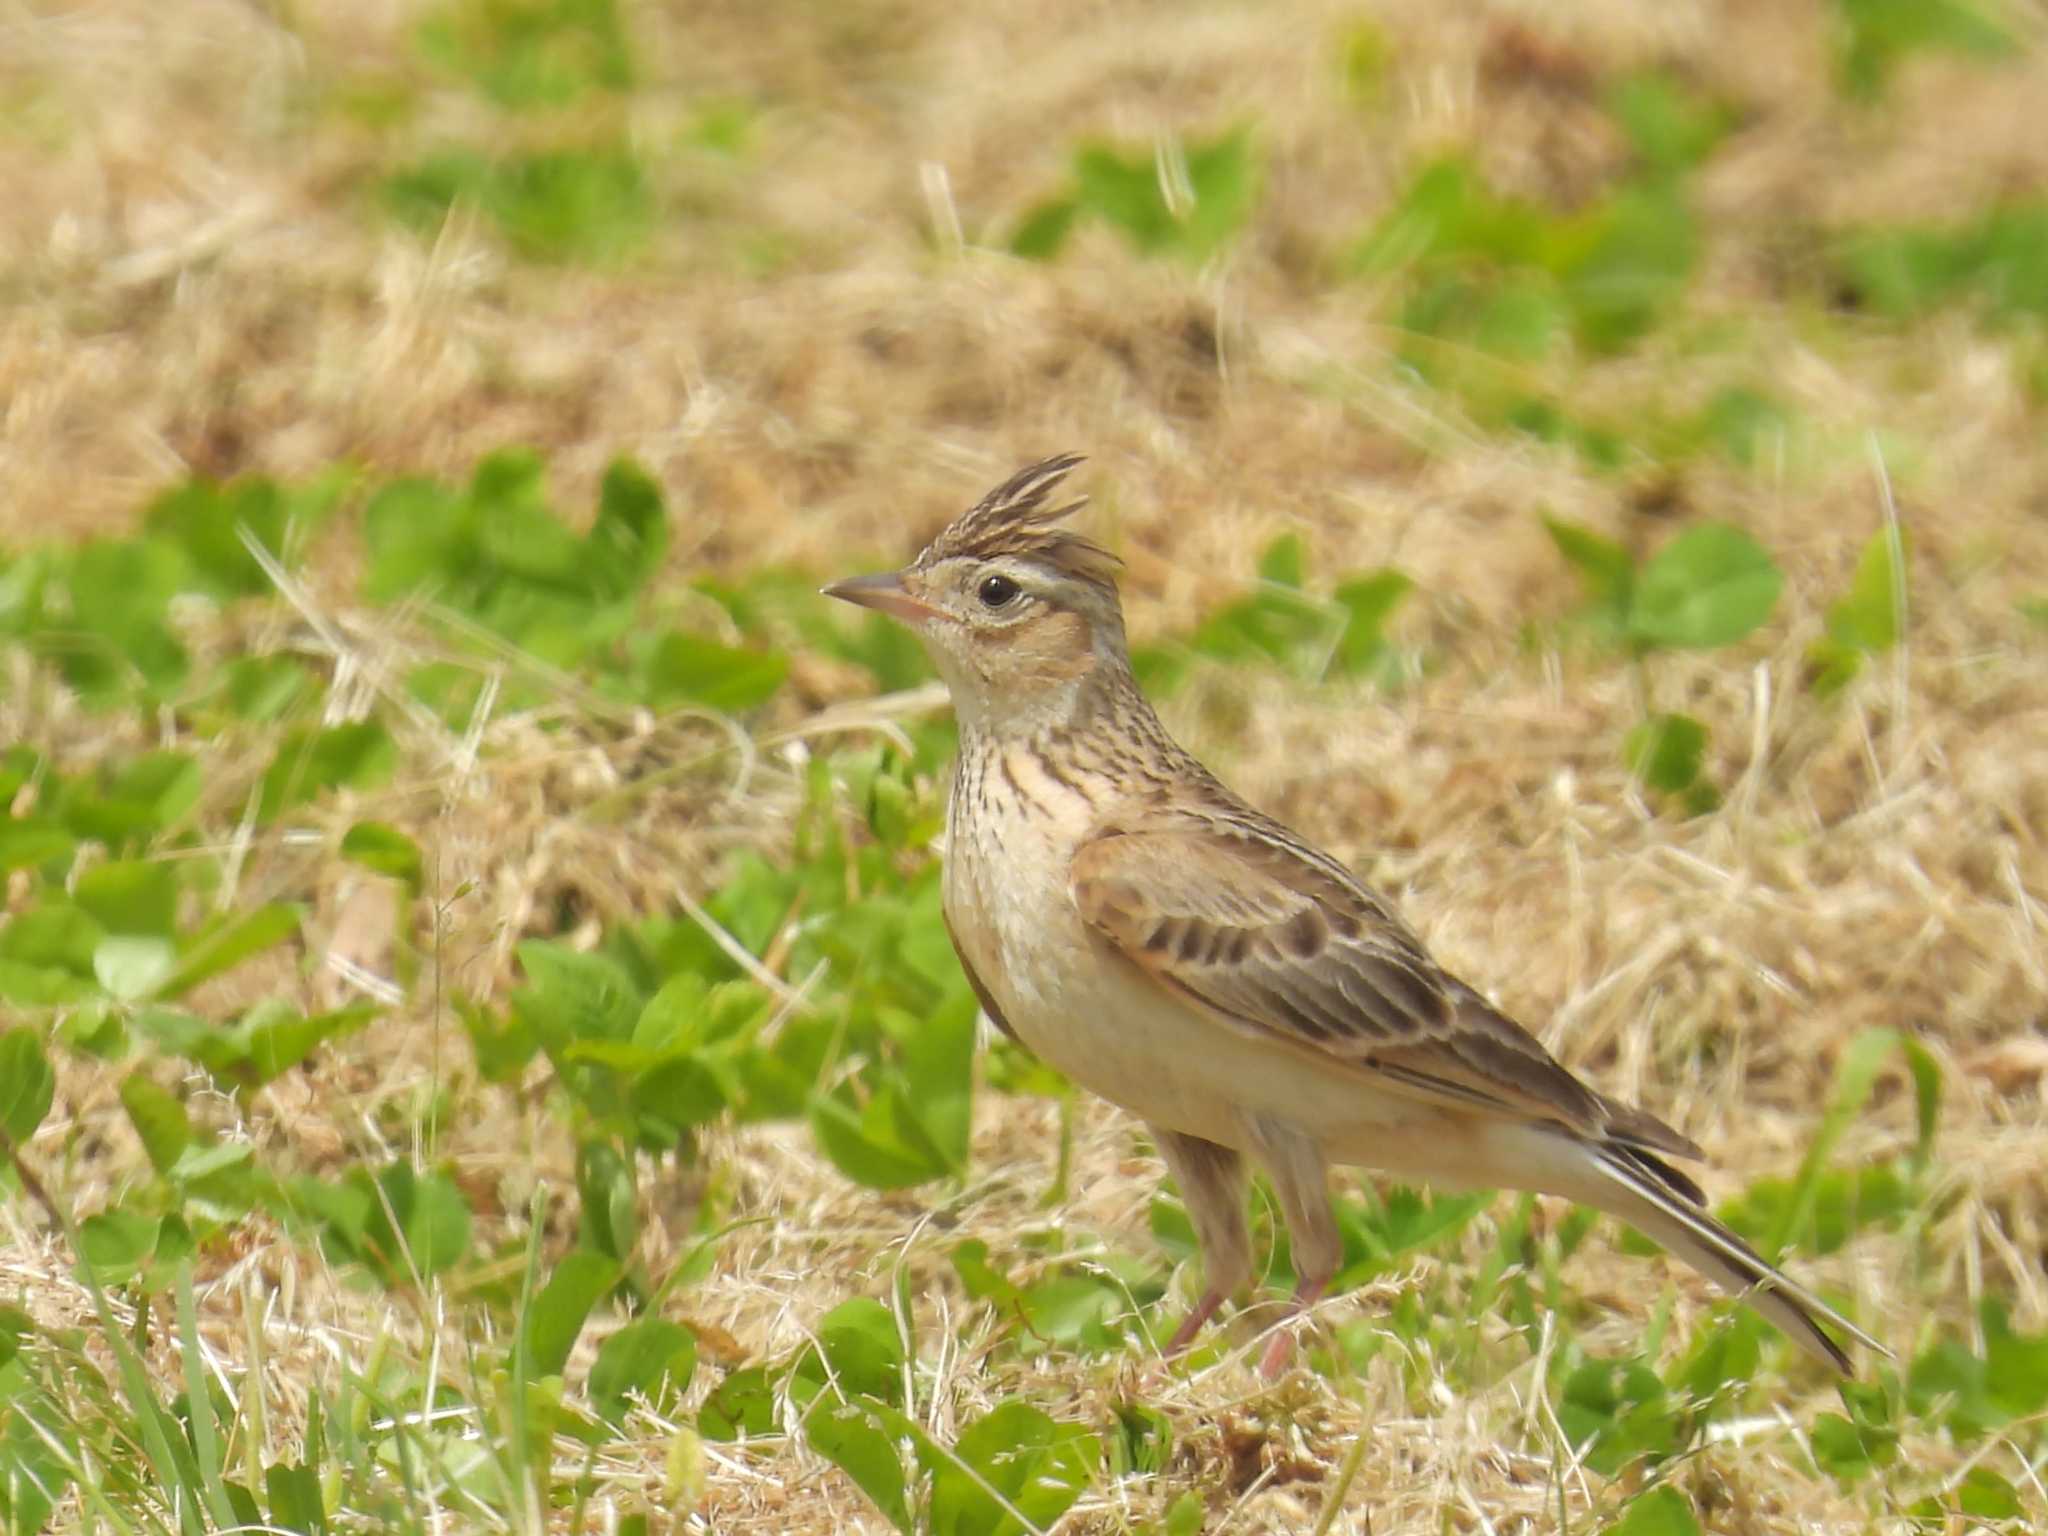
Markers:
<point>1020,517</point>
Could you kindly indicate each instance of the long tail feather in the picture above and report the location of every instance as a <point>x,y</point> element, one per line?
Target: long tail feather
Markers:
<point>1659,1202</point>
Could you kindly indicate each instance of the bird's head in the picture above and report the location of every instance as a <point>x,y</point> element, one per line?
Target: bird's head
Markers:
<point>1017,612</point>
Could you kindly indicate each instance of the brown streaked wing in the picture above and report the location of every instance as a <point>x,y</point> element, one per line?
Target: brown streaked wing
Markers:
<point>1276,941</point>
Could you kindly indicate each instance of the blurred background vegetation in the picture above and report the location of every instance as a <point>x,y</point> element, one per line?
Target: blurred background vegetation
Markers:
<point>477,1041</point>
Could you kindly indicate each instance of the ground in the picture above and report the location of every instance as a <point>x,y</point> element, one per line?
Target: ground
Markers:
<point>812,333</point>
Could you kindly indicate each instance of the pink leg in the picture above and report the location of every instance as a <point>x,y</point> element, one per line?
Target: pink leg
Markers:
<point>1280,1348</point>
<point>1295,1164</point>
<point>1211,1180</point>
<point>1192,1324</point>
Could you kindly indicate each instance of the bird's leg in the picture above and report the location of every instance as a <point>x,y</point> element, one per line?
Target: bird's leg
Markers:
<point>1211,1180</point>
<point>1193,1323</point>
<point>1295,1164</point>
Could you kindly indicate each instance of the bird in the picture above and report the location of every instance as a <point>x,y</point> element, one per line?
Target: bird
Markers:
<point>1128,919</point>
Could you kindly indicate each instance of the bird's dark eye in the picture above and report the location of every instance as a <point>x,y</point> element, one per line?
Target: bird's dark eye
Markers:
<point>998,590</point>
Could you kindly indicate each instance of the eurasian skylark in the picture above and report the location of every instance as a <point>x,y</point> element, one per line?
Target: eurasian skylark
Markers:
<point>1134,923</point>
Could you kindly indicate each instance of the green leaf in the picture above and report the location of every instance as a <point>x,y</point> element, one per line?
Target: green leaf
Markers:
<point>1368,602</point>
<point>227,941</point>
<point>980,1279</point>
<point>651,1360</point>
<point>1634,259</point>
<point>937,1055</point>
<point>1223,174</point>
<point>1448,211</point>
<point>849,1433</point>
<point>502,1042</point>
<point>276,1037</point>
<point>130,968</point>
<point>1275,624</point>
<point>1076,1310</point>
<point>1186,1515</point>
<point>2015,1366</point>
<point>379,846</point>
<point>261,689</point>
<point>517,532</point>
<point>158,1118</point>
<point>1973,1393</point>
<point>1838,1205</point>
<point>1878,35</point>
<point>571,996</point>
<point>420,534</point>
<point>1672,127</point>
<point>1379,1232</point>
<point>294,1496</point>
<point>1984,1495</point>
<point>36,986</point>
<point>574,204</point>
<point>1869,616</point>
<point>133,896</point>
<point>1038,1465</point>
<point>312,760</point>
<point>608,1202</point>
<point>1999,260</point>
<point>144,796</point>
<point>682,669</point>
<point>1142,1442</point>
<point>1284,562</point>
<point>32,841</point>
<point>53,935</point>
<point>1831,667</point>
<point>876,1144</point>
<point>1604,567</point>
<point>220,1183</point>
<point>420,1217</point>
<point>1043,230</point>
<point>1742,422</point>
<point>1124,190</point>
<point>1855,1077</point>
<point>15,1325</point>
<point>1710,586</point>
<point>556,1314</point>
<point>122,644</point>
<point>1663,1511</point>
<point>207,521</point>
<point>1849,1450</point>
<point>1724,1356</point>
<point>861,1344</point>
<point>115,1243</point>
<point>27,1084</point>
<point>678,1094</point>
<point>527,56</point>
<point>1615,1411</point>
<point>1666,752</point>
<point>742,1404</point>
<point>625,546</point>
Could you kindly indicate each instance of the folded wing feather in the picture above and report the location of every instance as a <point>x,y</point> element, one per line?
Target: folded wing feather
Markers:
<point>1281,941</point>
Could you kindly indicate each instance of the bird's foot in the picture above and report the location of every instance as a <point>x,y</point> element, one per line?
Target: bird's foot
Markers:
<point>1192,1324</point>
<point>1156,1376</point>
<point>1279,1349</point>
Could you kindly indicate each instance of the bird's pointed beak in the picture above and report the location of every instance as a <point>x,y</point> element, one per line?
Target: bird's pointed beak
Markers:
<point>885,594</point>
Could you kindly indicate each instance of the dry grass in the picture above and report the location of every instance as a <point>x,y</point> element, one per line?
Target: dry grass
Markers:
<point>197,281</point>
